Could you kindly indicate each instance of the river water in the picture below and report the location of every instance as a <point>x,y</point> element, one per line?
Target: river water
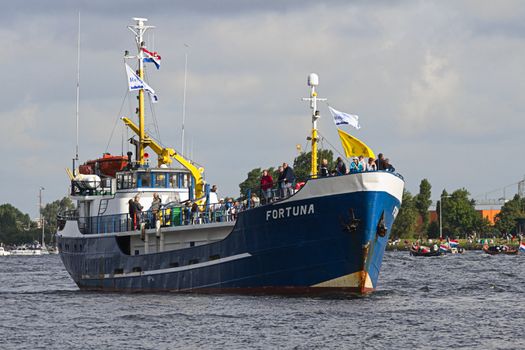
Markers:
<point>471,301</point>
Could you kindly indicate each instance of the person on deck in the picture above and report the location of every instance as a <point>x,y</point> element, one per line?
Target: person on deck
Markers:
<point>323,170</point>
<point>388,166</point>
<point>355,166</point>
<point>280,182</point>
<point>137,211</point>
<point>380,162</point>
<point>362,163</point>
<point>255,201</point>
<point>155,207</point>
<point>266,186</point>
<point>213,198</point>
<point>340,166</point>
<point>371,165</point>
<point>131,210</point>
<point>289,179</point>
<point>229,206</point>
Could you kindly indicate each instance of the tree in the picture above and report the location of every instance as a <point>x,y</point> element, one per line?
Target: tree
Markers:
<point>459,214</point>
<point>405,223</point>
<point>433,230</point>
<point>507,218</point>
<point>51,210</point>
<point>253,181</point>
<point>15,226</point>
<point>422,202</point>
<point>301,168</point>
<point>302,163</point>
<point>12,219</point>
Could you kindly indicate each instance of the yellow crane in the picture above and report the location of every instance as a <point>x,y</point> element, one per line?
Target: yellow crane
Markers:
<point>166,156</point>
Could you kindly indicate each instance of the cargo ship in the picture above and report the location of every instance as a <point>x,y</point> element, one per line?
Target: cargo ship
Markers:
<point>327,237</point>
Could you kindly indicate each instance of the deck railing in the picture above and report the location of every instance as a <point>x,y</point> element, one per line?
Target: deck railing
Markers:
<point>171,215</point>
<point>168,216</point>
<point>91,188</point>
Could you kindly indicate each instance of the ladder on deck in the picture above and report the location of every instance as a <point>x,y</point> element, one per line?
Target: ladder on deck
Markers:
<point>103,206</point>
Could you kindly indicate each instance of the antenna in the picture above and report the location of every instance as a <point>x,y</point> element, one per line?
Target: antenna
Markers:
<point>313,81</point>
<point>139,29</point>
<point>184,96</point>
<point>41,217</point>
<point>78,93</point>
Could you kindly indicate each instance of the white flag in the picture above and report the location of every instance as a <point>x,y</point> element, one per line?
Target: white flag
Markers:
<point>135,83</point>
<point>341,118</point>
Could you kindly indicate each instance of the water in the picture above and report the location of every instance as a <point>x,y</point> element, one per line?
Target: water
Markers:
<point>465,301</point>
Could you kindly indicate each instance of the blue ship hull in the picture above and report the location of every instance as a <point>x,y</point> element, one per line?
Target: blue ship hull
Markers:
<point>310,243</point>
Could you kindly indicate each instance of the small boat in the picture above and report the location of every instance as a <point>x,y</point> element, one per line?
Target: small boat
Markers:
<point>500,249</point>
<point>424,251</point>
<point>4,252</point>
<point>26,249</point>
<point>446,249</point>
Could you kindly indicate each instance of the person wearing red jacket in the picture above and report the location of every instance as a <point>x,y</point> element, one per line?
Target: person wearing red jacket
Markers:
<point>266,186</point>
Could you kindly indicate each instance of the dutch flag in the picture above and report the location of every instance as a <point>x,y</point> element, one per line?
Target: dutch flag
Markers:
<point>522,247</point>
<point>443,248</point>
<point>152,57</point>
<point>453,243</point>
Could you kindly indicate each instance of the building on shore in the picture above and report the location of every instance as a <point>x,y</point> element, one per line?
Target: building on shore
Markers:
<point>489,214</point>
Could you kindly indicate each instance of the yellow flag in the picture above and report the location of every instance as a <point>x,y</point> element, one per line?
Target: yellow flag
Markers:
<point>353,146</point>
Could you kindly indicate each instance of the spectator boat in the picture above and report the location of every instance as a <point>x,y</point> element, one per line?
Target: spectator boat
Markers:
<point>327,237</point>
<point>500,249</point>
<point>4,252</point>
<point>425,251</point>
<point>28,249</point>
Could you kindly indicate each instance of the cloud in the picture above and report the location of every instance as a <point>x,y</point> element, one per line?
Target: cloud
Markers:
<point>430,98</point>
<point>20,129</point>
<point>433,83</point>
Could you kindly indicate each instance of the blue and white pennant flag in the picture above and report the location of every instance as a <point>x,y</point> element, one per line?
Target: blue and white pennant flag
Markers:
<point>135,83</point>
<point>341,118</point>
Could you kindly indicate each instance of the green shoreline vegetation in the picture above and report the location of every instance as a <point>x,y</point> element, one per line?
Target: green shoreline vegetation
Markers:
<point>463,243</point>
<point>18,228</point>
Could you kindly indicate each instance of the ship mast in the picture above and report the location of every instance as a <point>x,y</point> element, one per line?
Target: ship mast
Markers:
<point>313,81</point>
<point>139,29</point>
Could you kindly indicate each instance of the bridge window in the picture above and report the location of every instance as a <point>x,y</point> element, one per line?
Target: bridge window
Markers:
<point>174,181</point>
<point>144,179</point>
<point>159,180</point>
<point>125,181</point>
<point>185,180</point>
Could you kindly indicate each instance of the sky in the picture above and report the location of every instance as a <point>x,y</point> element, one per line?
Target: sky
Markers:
<point>437,84</point>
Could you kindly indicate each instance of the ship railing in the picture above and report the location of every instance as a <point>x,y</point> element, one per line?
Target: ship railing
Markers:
<point>279,192</point>
<point>67,215</point>
<point>168,216</point>
<point>358,172</point>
